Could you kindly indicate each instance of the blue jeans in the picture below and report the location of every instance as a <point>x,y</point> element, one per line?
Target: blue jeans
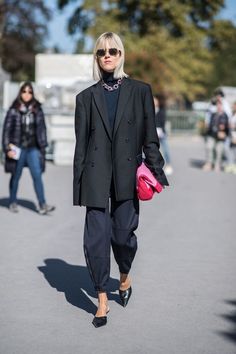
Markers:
<point>215,150</point>
<point>165,149</point>
<point>31,158</point>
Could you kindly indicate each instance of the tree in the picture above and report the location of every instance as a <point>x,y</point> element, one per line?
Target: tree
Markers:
<point>169,44</point>
<point>222,41</point>
<point>22,32</point>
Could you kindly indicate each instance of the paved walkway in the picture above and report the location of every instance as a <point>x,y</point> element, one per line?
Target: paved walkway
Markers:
<point>184,288</point>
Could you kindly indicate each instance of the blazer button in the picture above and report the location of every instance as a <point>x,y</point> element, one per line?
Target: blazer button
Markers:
<point>129,121</point>
<point>127,140</point>
<point>129,159</point>
<point>92,164</point>
<point>95,147</point>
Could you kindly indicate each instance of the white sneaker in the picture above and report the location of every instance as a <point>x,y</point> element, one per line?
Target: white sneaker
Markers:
<point>229,168</point>
<point>43,209</point>
<point>217,168</point>
<point>13,207</point>
<point>207,166</point>
<point>234,169</point>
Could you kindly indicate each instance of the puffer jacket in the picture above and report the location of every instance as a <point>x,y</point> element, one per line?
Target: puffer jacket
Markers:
<point>219,122</point>
<point>12,133</point>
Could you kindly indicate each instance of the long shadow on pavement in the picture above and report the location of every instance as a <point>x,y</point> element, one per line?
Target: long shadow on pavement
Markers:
<point>75,282</point>
<point>197,163</point>
<point>231,317</point>
<point>4,202</point>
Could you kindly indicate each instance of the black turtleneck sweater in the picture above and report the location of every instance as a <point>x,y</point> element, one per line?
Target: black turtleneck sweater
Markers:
<point>111,97</point>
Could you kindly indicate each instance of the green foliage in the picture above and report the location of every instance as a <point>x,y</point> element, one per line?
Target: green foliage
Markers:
<point>222,41</point>
<point>22,31</point>
<point>177,46</point>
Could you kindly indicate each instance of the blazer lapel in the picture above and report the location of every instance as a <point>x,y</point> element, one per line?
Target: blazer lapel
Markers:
<point>101,106</point>
<point>125,90</point>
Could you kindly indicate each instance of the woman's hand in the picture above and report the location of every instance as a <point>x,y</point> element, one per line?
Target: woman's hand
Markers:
<point>221,135</point>
<point>11,154</point>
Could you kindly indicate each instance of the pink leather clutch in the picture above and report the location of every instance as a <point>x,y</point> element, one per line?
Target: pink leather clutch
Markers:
<point>146,183</point>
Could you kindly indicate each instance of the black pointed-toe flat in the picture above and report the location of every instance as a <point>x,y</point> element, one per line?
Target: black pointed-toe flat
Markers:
<point>125,295</point>
<point>99,321</point>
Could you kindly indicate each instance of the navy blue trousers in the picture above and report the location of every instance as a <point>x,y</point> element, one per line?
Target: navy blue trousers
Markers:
<point>108,227</point>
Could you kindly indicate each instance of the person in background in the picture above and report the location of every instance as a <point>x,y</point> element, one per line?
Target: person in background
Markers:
<point>231,167</point>
<point>160,118</point>
<point>24,141</point>
<point>218,94</point>
<point>114,124</point>
<point>217,134</point>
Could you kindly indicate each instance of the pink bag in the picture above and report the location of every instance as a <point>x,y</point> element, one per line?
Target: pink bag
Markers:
<point>146,183</point>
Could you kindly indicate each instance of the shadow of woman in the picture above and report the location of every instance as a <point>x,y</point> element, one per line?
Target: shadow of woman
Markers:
<point>230,317</point>
<point>75,282</point>
<point>4,202</point>
<point>197,163</point>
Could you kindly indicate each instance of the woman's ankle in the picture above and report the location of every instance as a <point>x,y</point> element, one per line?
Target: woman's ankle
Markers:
<point>123,277</point>
<point>102,298</point>
<point>124,281</point>
<point>102,304</point>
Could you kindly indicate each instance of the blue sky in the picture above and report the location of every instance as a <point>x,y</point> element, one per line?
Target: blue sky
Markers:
<point>58,32</point>
<point>229,12</point>
<point>58,27</point>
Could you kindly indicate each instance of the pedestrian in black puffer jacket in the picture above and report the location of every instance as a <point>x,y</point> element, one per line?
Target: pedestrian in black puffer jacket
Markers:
<point>24,141</point>
<point>217,135</point>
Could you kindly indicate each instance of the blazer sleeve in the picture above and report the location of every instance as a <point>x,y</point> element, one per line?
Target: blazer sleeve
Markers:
<point>153,157</point>
<point>81,136</point>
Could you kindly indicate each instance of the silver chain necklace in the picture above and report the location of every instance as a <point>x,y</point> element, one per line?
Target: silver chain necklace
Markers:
<point>112,88</point>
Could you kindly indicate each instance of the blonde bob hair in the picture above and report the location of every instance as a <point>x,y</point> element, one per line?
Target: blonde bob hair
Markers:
<point>114,41</point>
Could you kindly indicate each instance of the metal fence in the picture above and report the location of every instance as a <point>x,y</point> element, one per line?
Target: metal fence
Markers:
<point>177,121</point>
<point>184,121</point>
<point>59,127</point>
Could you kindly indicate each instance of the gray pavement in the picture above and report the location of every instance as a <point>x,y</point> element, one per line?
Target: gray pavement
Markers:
<point>184,289</point>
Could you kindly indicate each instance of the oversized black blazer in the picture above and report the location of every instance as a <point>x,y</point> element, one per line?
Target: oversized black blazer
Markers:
<point>12,134</point>
<point>101,154</point>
